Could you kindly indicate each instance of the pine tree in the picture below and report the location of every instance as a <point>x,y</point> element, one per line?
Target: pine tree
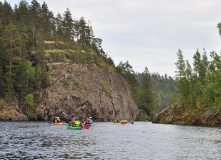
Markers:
<point>146,100</point>
<point>82,32</point>
<point>10,37</point>
<point>59,28</point>
<point>6,13</point>
<point>46,20</point>
<point>68,26</point>
<point>34,13</point>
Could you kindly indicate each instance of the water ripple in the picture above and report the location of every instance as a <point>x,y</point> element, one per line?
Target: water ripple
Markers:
<point>106,140</point>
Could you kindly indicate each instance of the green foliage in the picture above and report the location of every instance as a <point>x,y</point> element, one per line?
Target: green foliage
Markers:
<point>145,114</point>
<point>65,82</point>
<point>147,101</point>
<point>141,88</point>
<point>199,88</point>
<point>1,103</point>
<point>76,83</point>
<point>48,78</point>
<point>25,33</point>
<point>121,95</point>
<point>81,58</point>
<point>30,110</point>
<point>29,100</point>
<point>163,87</point>
<point>106,88</point>
<point>126,71</point>
<point>58,57</point>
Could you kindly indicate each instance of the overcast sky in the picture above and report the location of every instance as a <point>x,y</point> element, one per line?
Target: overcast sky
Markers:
<point>148,33</point>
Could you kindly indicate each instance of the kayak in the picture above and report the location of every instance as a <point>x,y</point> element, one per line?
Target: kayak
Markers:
<point>88,124</point>
<point>57,123</point>
<point>74,128</point>
<point>124,122</point>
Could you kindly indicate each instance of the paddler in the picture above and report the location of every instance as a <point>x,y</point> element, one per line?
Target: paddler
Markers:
<point>87,120</point>
<point>91,120</point>
<point>76,122</point>
<point>71,123</point>
<point>58,120</point>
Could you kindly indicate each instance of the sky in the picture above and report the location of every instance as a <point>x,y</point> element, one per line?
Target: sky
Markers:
<point>148,33</point>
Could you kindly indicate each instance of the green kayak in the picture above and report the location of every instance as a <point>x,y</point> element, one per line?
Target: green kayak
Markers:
<point>74,128</point>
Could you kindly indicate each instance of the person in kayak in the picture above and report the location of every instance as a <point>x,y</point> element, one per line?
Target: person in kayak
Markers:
<point>57,120</point>
<point>76,122</point>
<point>116,120</point>
<point>71,123</point>
<point>124,121</point>
<point>91,120</point>
<point>87,120</point>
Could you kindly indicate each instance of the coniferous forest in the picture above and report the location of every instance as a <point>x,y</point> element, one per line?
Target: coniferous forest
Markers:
<point>199,86</point>
<point>163,87</point>
<point>27,31</point>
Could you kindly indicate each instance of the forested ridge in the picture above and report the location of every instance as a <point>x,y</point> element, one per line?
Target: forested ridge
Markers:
<point>27,34</point>
<point>32,36</point>
<point>197,100</point>
<point>199,85</point>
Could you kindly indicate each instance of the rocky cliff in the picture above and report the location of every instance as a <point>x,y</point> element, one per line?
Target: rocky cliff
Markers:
<point>86,90</point>
<point>82,85</point>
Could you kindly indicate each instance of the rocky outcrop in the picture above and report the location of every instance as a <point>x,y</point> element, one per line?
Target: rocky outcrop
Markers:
<point>86,90</point>
<point>11,111</point>
<point>159,116</point>
<point>178,115</point>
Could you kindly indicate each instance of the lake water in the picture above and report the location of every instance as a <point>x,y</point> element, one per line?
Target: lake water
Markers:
<point>106,140</point>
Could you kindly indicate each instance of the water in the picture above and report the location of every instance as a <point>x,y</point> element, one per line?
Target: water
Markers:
<point>106,140</point>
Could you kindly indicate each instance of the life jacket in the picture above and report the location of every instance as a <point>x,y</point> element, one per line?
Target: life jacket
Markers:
<point>87,121</point>
<point>77,123</point>
<point>72,122</point>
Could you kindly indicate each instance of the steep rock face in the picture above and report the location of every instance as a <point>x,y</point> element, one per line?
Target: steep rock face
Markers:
<point>86,90</point>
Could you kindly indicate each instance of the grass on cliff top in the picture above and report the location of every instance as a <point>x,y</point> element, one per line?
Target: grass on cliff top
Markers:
<point>76,56</point>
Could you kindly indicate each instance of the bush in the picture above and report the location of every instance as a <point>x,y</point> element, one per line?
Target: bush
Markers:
<point>105,88</point>
<point>1,103</point>
<point>65,82</point>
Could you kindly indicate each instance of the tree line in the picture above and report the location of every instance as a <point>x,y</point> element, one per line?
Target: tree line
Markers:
<point>25,32</point>
<point>163,86</point>
<point>199,85</point>
<point>142,90</point>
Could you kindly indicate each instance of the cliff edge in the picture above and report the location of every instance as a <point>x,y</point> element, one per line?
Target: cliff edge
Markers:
<point>86,90</point>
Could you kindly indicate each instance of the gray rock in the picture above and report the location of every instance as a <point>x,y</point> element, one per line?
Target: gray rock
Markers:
<point>86,90</point>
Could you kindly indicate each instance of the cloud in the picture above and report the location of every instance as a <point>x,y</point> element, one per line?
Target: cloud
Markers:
<point>149,32</point>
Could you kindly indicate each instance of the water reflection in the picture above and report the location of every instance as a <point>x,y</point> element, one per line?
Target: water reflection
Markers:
<point>106,140</point>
